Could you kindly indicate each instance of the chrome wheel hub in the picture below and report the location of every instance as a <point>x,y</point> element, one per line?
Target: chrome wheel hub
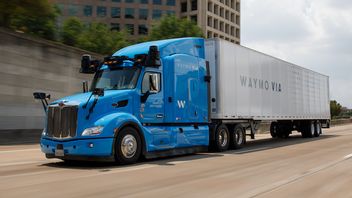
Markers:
<point>223,138</point>
<point>129,146</point>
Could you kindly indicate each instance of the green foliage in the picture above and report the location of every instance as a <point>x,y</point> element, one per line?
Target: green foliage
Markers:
<point>100,39</point>
<point>172,27</point>
<point>71,30</point>
<point>335,108</point>
<point>35,17</point>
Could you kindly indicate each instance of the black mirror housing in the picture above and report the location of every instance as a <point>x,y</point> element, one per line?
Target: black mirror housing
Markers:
<point>98,92</point>
<point>41,96</point>
<point>89,66</point>
<point>153,59</point>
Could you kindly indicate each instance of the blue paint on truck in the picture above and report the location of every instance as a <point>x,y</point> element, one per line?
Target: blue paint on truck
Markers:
<point>175,117</point>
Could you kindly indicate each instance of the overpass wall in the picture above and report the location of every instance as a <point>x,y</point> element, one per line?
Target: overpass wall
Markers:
<point>30,64</point>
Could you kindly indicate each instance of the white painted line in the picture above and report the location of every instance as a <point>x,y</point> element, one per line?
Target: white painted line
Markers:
<point>348,156</point>
<point>252,150</point>
<point>31,174</point>
<point>19,163</point>
<point>15,151</point>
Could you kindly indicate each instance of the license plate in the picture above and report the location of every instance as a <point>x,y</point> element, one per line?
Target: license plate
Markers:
<point>59,153</point>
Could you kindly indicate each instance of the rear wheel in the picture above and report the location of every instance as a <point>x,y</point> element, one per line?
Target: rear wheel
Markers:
<point>274,129</point>
<point>238,137</point>
<point>317,131</point>
<point>222,138</point>
<point>128,146</point>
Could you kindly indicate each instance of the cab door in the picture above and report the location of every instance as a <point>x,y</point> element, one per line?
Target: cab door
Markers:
<point>152,98</point>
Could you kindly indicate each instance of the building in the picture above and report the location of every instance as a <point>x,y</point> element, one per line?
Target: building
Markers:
<point>217,18</point>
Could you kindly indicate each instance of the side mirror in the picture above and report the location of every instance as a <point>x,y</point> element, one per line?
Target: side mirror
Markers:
<point>153,59</point>
<point>89,66</point>
<point>154,83</point>
<point>43,98</point>
<point>98,92</point>
<point>85,86</point>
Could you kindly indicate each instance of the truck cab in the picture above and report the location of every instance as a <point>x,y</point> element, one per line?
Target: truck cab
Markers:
<point>149,99</point>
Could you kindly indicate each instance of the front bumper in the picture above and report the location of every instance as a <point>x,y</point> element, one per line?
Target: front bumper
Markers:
<point>97,149</point>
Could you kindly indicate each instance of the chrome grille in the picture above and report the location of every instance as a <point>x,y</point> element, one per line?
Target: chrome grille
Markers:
<point>62,121</point>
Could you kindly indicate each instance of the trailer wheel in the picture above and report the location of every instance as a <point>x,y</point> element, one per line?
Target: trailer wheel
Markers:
<point>317,130</point>
<point>274,129</point>
<point>128,146</point>
<point>238,137</point>
<point>222,138</point>
<point>311,130</point>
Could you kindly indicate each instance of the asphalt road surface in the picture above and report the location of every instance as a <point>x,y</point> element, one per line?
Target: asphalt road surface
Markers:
<point>294,167</point>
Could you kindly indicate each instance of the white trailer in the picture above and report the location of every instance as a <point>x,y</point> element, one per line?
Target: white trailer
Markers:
<point>248,86</point>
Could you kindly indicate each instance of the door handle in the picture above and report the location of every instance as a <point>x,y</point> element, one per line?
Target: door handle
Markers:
<point>159,115</point>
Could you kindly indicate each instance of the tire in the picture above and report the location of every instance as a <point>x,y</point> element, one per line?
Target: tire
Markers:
<point>238,137</point>
<point>222,138</point>
<point>317,130</point>
<point>274,129</point>
<point>311,130</point>
<point>128,146</point>
<point>282,131</point>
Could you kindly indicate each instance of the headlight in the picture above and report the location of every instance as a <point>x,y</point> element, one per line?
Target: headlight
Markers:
<point>92,131</point>
<point>44,132</point>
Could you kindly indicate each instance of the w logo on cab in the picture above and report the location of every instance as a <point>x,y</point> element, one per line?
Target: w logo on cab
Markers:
<point>181,104</point>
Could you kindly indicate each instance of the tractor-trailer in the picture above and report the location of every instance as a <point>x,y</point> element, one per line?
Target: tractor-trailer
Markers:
<point>180,96</point>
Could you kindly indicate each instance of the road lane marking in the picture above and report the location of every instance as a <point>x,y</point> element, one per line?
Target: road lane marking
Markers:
<point>252,150</point>
<point>19,163</point>
<point>348,156</point>
<point>31,174</point>
<point>22,150</point>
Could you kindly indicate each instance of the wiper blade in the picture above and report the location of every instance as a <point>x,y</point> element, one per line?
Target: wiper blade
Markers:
<point>96,92</point>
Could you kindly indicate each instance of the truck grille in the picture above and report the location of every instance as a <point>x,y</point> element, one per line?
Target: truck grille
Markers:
<point>62,121</point>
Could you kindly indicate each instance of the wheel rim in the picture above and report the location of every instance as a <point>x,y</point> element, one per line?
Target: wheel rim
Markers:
<point>129,146</point>
<point>238,136</point>
<point>223,137</point>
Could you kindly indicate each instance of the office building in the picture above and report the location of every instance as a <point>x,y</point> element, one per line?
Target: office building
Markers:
<point>217,18</point>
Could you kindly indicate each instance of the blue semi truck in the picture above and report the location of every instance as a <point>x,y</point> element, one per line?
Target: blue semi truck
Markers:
<point>174,97</point>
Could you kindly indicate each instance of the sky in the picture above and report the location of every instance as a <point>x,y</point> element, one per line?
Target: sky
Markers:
<point>316,34</point>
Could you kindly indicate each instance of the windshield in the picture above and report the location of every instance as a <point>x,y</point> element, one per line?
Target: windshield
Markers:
<point>116,79</point>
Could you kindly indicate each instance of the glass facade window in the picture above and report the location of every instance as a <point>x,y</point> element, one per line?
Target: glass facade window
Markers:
<point>157,2</point>
<point>171,2</point>
<point>143,14</point>
<point>157,14</point>
<point>87,10</point>
<point>170,12</point>
<point>194,18</point>
<point>115,26</point>
<point>142,29</point>
<point>117,1</point>
<point>129,13</point>
<point>194,5</point>
<point>115,12</point>
<point>101,11</point>
<point>144,1</point>
<point>73,10</point>
<point>130,28</point>
<point>129,1</point>
<point>184,7</point>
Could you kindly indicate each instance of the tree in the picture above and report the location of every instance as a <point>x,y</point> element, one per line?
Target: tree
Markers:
<point>35,17</point>
<point>173,27</point>
<point>71,30</point>
<point>335,108</point>
<point>100,39</point>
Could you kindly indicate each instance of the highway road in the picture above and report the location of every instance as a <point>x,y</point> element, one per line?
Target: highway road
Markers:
<point>293,167</point>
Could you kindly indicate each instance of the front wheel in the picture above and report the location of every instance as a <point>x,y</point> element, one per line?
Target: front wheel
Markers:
<point>128,146</point>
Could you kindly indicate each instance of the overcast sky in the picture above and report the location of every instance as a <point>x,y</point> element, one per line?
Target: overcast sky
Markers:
<point>316,34</point>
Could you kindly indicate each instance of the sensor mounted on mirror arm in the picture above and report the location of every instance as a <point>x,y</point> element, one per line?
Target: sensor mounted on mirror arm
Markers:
<point>43,97</point>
